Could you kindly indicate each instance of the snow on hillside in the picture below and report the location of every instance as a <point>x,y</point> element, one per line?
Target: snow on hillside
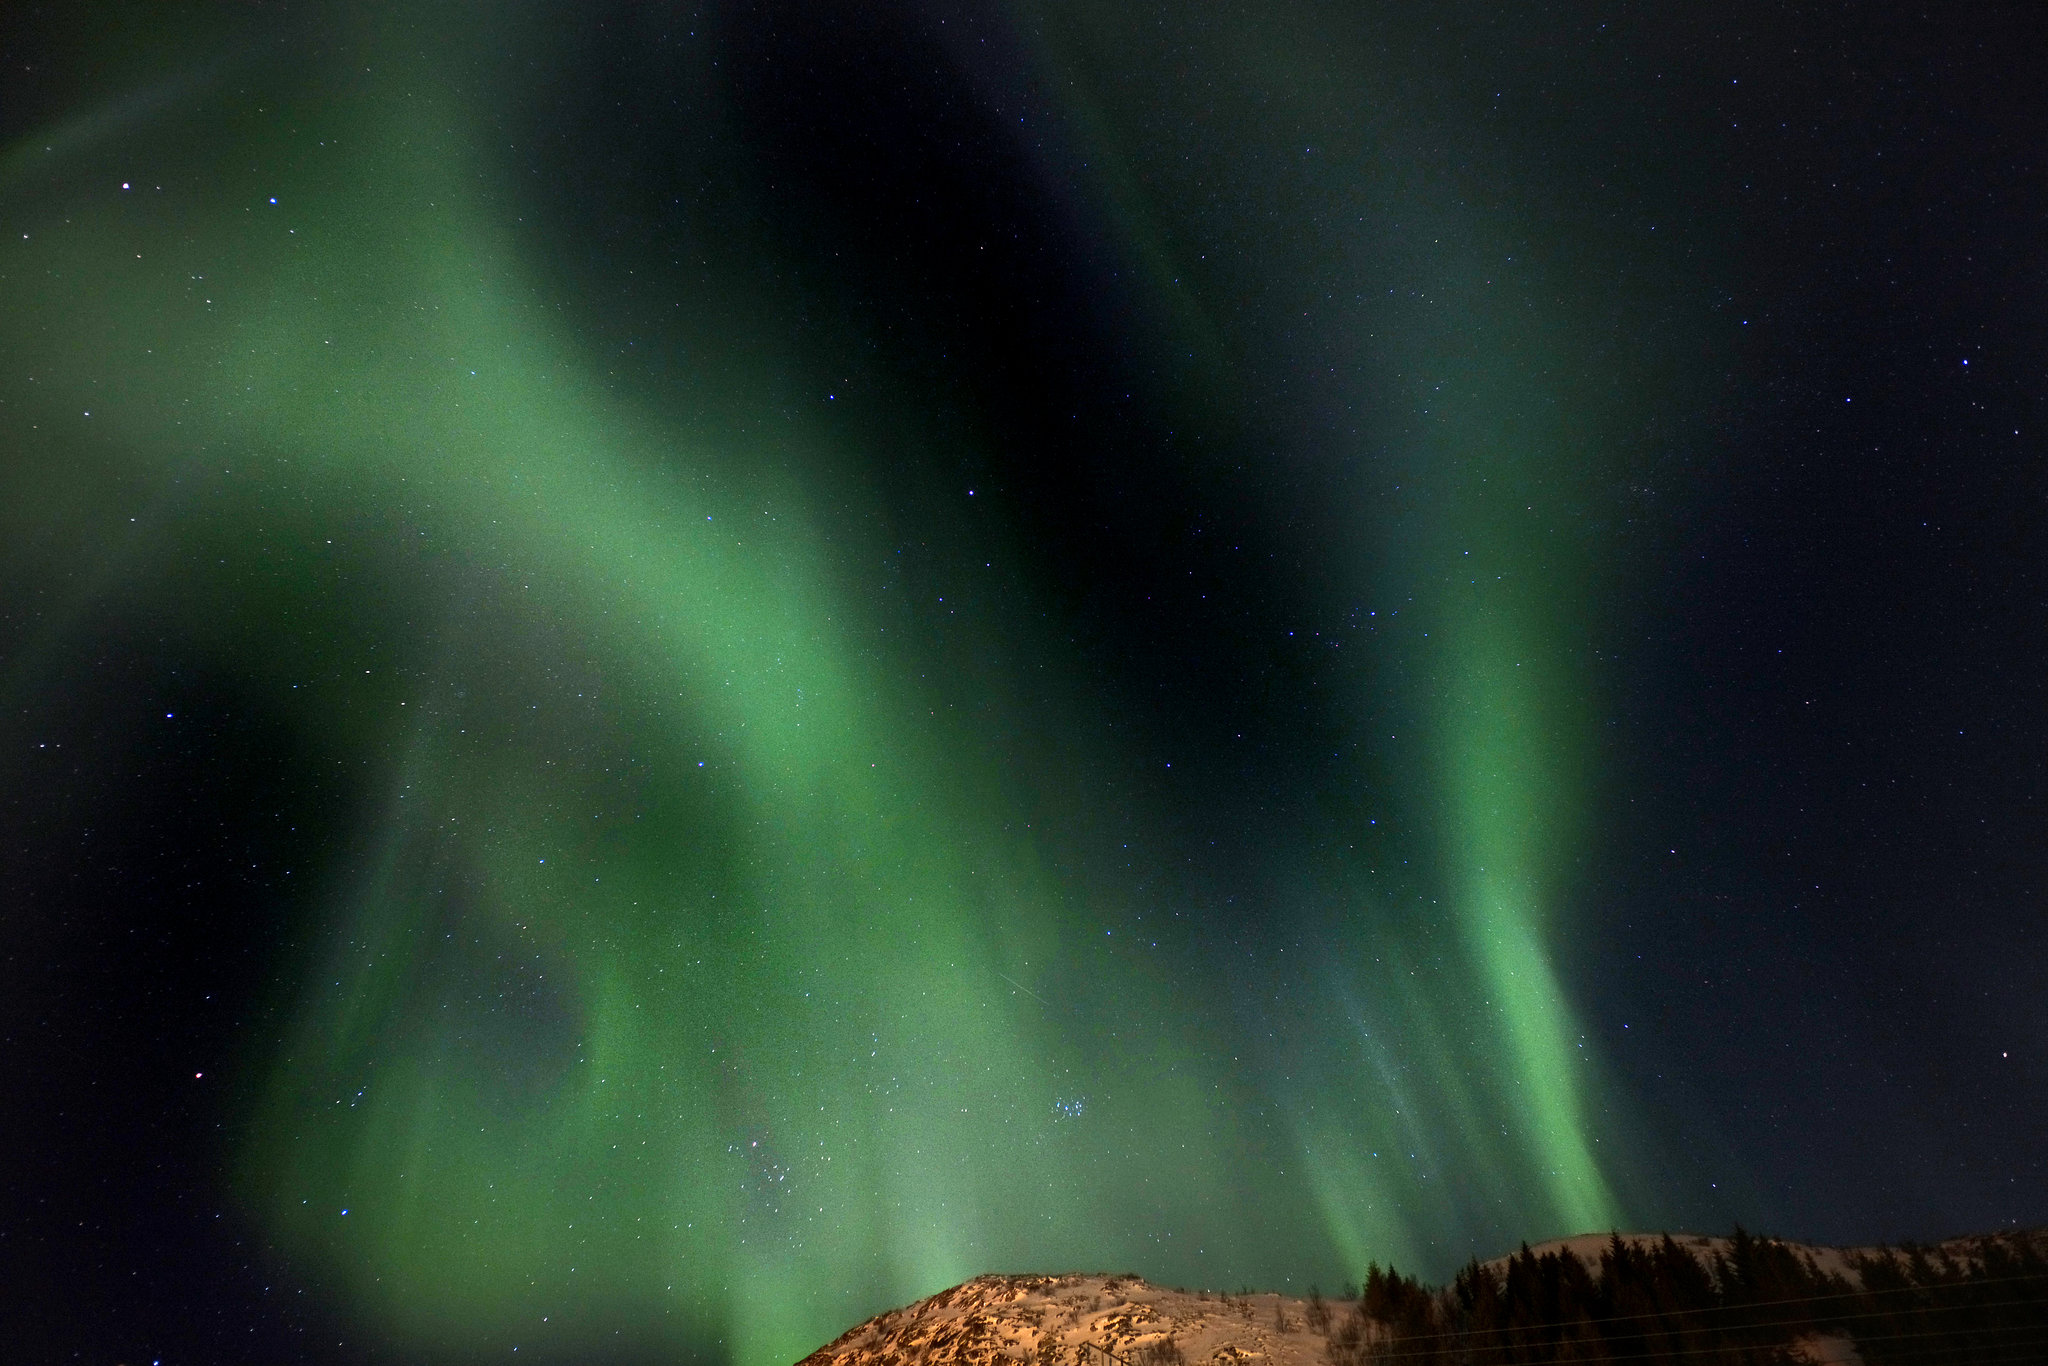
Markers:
<point>1032,1319</point>
<point>1056,1320</point>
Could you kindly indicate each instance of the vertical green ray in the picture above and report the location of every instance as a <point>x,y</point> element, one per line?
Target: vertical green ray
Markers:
<point>1384,259</point>
<point>1509,797</point>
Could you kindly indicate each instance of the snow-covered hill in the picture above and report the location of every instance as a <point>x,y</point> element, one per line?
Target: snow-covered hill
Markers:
<point>997,1319</point>
<point>1063,1320</point>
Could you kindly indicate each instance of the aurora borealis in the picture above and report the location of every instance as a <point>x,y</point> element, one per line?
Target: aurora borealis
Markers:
<point>676,673</point>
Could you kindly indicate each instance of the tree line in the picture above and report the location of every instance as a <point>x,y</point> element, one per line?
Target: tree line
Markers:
<point>1753,1302</point>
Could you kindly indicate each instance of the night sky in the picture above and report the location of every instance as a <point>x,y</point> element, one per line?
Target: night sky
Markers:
<point>671,674</point>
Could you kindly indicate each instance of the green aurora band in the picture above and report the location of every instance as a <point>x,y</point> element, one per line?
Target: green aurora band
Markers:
<point>698,969</point>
